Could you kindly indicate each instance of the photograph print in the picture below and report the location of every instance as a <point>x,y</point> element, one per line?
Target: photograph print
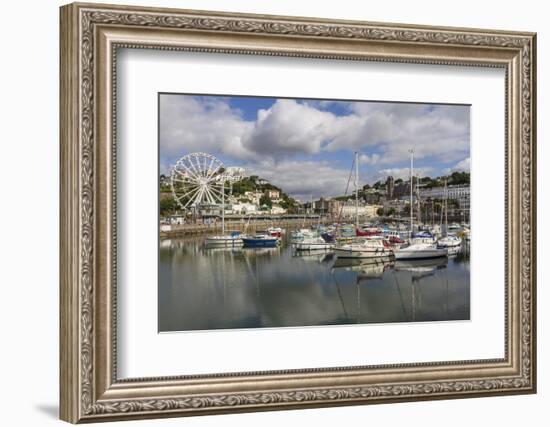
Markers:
<point>289,212</point>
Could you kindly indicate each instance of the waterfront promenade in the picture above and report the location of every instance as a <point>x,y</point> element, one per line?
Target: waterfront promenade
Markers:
<point>238,225</point>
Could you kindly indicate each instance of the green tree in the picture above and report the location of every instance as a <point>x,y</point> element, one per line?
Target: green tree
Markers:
<point>458,178</point>
<point>380,211</point>
<point>167,206</point>
<point>265,200</point>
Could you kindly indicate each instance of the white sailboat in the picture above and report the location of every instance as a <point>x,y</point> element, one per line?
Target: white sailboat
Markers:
<point>418,249</point>
<point>367,248</point>
<point>451,241</point>
<point>362,248</point>
<point>225,241</point>
<point>448,240</point>
<point>313,244</point>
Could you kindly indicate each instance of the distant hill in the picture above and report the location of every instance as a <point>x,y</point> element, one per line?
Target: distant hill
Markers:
<point>248,183</point>
<point>456,178</point>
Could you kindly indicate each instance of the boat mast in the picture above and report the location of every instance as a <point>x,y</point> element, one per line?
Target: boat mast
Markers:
<point>446,209</point>
<point>412,168</point>
<point>223,207</point>
<point>357,189</point>
<point>418,202</point>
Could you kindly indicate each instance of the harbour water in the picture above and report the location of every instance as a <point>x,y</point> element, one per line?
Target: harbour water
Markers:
<point>230,288</point>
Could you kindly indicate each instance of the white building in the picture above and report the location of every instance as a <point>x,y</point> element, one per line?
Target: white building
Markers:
<point>461,193</point>
<point>273,194</point>
<point>277,210</point>
<point>348,210</point>
<point>253,196</point>
<point>244,208</point>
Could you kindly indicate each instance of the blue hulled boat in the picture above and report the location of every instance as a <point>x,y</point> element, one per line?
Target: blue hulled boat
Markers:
<point>260,241</point>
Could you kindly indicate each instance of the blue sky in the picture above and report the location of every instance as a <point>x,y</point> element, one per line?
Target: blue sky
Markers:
<point>306,146</point>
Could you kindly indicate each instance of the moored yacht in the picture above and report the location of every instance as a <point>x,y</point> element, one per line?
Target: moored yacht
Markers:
<point>303,233</point>
<point>313,244</point>
<point>419,250</point>
<point>234,239</point>
<point>260,241</point>
<point>368,248</point>
<point>451,241</point>
<point>275,231</point>
<point>422,244</point>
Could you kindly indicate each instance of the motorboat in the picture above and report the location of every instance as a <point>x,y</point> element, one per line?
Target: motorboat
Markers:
<point>313,244</point>
<point>367,248</point>
<point>395,240</point>
<point>454,227</point>
<point>423,237</point>
<point>275,231</point>
<point>419,250</point>
<point>451,241</point>
<point>366,233</point>
<point>260,241</point>
<point>303,233</point>
<point>234,239</point>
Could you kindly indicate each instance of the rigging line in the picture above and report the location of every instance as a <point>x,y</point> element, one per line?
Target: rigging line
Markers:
<point>347,188</point>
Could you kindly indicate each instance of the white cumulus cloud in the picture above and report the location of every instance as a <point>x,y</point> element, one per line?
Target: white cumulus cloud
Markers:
<point>277,139</point>
<point>303,179</point>
<point>462,166</point>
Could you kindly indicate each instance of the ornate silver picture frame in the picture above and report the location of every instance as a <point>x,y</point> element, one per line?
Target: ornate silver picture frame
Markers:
<point>90,387</point>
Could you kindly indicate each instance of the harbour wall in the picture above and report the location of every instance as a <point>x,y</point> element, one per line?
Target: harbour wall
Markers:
<point>252,226</point>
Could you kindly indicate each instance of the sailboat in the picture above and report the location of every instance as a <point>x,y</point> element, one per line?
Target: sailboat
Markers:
<point>418,249</point>
<point>260,241</point>
<point>234,239</point>
<point>314,244</point>
<point>362,248</point>
<point>449,240</point>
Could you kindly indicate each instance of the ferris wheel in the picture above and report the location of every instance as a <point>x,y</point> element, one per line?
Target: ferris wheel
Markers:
<point>199,179</point>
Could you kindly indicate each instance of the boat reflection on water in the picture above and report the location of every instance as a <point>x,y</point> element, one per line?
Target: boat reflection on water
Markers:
<point>319,256</point>
<point>248,252</point>
<point>364,267</point>
<point>421,265</point>
<point>236,287</point>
